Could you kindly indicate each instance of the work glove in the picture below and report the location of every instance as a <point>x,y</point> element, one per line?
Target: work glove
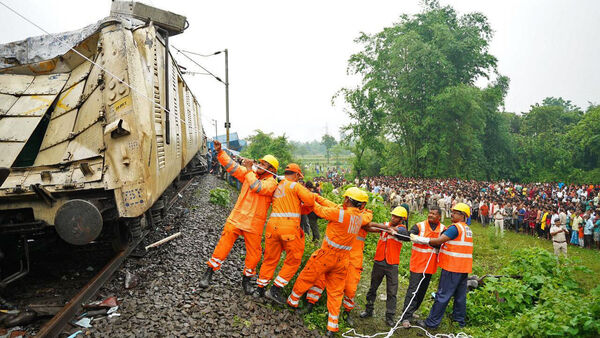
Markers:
<point>419,239</point>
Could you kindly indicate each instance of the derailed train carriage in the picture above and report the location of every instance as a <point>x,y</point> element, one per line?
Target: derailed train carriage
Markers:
<point>90,145</point>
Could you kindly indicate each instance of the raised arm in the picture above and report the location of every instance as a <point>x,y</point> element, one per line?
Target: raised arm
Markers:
<point>232,167</point>
<point>262,187</point>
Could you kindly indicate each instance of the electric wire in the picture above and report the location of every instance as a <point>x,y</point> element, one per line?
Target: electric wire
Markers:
<point>138,92</point>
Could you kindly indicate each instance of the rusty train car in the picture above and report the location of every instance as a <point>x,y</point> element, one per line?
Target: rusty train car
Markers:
<point>95,125</point>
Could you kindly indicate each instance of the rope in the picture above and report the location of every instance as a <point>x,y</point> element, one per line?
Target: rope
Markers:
<point>102,68</point>
<point>353,333</point>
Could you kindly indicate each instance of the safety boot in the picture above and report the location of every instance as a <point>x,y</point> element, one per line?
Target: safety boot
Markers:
<point>366,313</point>
<point>275,294</point>
<point>206,280</point>
<point>247,285</point>
<point>259,292</point>
<point>330,334</point>
<point>389,320</point>
<point>306,309</point>
<point>346,317</point>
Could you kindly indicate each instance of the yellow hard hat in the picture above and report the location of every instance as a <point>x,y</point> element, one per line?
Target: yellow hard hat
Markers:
<point>463,208</point>
<point>271,160</point>
<point>357,194</point>
<point>400,212</point>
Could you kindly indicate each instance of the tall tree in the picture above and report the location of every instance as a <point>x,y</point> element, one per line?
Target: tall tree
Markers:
<point>412,69</point>
<point>328,141</point>
<point>261,144</point>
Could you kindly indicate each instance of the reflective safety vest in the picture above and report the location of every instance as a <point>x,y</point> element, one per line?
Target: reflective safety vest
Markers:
<point>388,248</point>
<point>457,255</point>
<point>421,252</point>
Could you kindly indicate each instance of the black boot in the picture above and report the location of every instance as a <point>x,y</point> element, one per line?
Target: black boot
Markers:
<point>346,317</point>
<point>259,292</point>
<point>206,280</point>
<point>307,309</point>
<point>330,334</point>
<point>389,320</point>
<point>247,285</point>
<point>367,313</point>
<point>275,294</point>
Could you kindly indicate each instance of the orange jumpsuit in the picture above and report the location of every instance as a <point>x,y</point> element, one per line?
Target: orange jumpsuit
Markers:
<point>332,259</point>
<point>284,233</point>
<point>248,216</point>
<point>355,268</point>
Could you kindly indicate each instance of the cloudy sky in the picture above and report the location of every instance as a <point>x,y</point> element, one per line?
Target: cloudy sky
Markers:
<point>287,59</point>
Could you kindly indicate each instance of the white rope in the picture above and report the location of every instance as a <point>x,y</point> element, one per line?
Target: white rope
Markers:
<point>102,68</point>
<point>353,333</point>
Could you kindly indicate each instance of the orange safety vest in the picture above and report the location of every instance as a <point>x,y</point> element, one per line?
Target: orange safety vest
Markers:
<point>388,248</point>
<point>286,209</point>
<point>250,211</point>
<point>457,255</point>
<point>421,252</point>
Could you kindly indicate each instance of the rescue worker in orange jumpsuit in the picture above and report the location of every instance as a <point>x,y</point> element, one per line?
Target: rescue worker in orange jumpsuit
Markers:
<point>456,260</point>
<point>248,216</point>
<point>283,233</point>
<point>332,259</point>
<point>423,263</point>
<point>387,258</point>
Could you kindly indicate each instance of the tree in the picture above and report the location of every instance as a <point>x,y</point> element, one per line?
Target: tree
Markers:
<point>328,141</point>
<point>261,144</point>
<point>410,72</point>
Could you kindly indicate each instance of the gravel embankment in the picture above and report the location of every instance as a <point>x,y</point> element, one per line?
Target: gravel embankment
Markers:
<point>167,301</point>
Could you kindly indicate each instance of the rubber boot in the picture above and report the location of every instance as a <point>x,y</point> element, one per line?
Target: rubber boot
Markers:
<point>306,309</point>
<point>367,313</point>
<point>206,280</point>
<point>275,294</point>
<point>247,285</point>
<point>389,320</point>
<point>259,292</point>
<point>330,334</point>
<point>346,317</point>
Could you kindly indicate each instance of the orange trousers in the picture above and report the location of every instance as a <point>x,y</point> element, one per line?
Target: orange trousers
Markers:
<point>228,237</point>
<point>277,239</point>
<point>352,278</point>
<point>332,265</point>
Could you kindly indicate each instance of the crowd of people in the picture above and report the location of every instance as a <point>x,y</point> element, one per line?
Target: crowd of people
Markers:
<point>531,208</point>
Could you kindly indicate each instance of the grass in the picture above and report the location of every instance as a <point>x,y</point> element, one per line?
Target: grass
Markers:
<point>490,254</point>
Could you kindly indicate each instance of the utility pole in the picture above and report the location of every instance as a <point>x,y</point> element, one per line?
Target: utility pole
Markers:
<point>215,124</point>
<point>227,123</point>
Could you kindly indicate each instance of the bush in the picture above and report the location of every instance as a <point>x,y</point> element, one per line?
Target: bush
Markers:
<point>546,301</point>
<point>220,196</point>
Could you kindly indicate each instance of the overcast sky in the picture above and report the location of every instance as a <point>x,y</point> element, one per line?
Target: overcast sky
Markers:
<point>287,59</point>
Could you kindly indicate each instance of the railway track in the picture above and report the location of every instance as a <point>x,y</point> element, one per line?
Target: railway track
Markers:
<point>55,326</point>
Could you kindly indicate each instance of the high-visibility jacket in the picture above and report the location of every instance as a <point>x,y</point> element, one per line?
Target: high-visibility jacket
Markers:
<point>388,248</point>
<point>286,208</point>
<point>250,211</point>
<point>344,224</point>
<point>457,255</point>
<point>356,253</point>
<point>421,252</point>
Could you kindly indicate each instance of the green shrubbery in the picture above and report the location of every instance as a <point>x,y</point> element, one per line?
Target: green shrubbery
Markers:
<point>220,196</point>
<point>547,301</point>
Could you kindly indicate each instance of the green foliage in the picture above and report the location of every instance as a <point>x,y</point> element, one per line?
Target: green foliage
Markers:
<point>328,142</point>
<point>417,111</point>
<point>261,144</point>
<point>220,196</point>
<point>546,301</point>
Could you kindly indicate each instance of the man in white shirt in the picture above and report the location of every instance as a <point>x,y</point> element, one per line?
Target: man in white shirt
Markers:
<point>499,215</point>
